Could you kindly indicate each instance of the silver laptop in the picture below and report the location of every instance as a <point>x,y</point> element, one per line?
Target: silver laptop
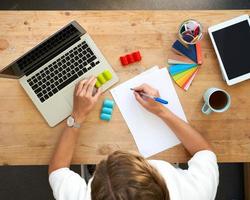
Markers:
<point>49,72</point>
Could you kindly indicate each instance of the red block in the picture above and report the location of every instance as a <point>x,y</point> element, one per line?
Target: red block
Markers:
<point>124,60</point>
<point>130,58</point>
<point>137,56</point>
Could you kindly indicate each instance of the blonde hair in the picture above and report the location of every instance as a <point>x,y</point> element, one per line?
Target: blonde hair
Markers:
<point>125,176</point>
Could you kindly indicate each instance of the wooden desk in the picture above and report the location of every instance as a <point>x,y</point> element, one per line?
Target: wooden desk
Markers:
<point>25,138</point>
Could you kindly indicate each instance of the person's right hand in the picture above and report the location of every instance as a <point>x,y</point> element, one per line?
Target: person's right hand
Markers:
<point>148,103</point>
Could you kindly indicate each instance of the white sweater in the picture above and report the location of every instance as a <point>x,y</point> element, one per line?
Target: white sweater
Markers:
<point>198,182</point>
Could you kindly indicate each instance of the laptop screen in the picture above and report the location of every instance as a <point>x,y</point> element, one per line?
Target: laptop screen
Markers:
<point>43,52</point>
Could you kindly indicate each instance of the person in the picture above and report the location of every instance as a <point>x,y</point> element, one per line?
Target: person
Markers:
<point>125,176</point>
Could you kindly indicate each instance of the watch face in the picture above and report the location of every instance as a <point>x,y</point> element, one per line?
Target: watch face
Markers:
<point>70,121</point>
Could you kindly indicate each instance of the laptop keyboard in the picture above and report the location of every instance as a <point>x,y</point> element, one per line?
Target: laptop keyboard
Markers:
<point>47,46</point>
<point>63,71</point>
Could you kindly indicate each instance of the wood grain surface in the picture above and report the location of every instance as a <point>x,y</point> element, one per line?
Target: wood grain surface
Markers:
<point>26,139</point>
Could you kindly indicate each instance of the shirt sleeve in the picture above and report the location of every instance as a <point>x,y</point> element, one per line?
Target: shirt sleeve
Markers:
<point>204,173</point>
<point>67,185</point>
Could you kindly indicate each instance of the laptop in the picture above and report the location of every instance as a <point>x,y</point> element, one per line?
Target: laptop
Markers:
<point>49,72</point>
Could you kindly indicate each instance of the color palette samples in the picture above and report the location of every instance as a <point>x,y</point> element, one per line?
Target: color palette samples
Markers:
<point>181,69</point>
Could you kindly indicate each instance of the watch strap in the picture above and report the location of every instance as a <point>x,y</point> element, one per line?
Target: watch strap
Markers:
<point>72,123</point>
<point>76,125</point>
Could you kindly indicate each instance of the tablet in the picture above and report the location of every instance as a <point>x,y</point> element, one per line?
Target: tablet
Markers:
<point>231,41</point>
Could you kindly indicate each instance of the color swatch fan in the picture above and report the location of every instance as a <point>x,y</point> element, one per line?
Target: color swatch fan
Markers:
<point>184,63</point>
<point>183,74</point>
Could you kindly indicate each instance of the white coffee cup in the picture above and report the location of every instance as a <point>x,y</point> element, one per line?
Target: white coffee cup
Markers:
<point>216,100</point>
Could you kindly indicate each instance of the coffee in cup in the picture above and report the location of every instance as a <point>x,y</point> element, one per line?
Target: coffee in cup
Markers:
<point>216,100</point>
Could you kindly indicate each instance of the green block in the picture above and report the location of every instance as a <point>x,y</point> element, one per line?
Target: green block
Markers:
<point>107,75</point>
<point>101,78</point>
<point>98,84</point>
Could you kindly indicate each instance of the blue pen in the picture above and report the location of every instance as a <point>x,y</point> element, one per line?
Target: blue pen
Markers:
<point>158,99</point>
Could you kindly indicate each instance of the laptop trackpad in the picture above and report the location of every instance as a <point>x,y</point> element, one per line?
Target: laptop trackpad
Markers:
<point>68,94</point>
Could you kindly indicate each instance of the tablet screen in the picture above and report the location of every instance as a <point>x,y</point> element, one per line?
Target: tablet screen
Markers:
<point>233,44</point>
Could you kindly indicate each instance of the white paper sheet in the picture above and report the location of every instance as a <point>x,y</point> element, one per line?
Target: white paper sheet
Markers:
<point>151,134</point>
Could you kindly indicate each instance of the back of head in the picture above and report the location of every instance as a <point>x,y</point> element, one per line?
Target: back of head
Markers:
<point>124,176</point>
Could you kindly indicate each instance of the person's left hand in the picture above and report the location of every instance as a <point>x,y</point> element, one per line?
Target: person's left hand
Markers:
<point>84,99</point>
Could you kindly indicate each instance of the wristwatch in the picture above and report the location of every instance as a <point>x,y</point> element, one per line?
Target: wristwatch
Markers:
<point>71,122</point>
